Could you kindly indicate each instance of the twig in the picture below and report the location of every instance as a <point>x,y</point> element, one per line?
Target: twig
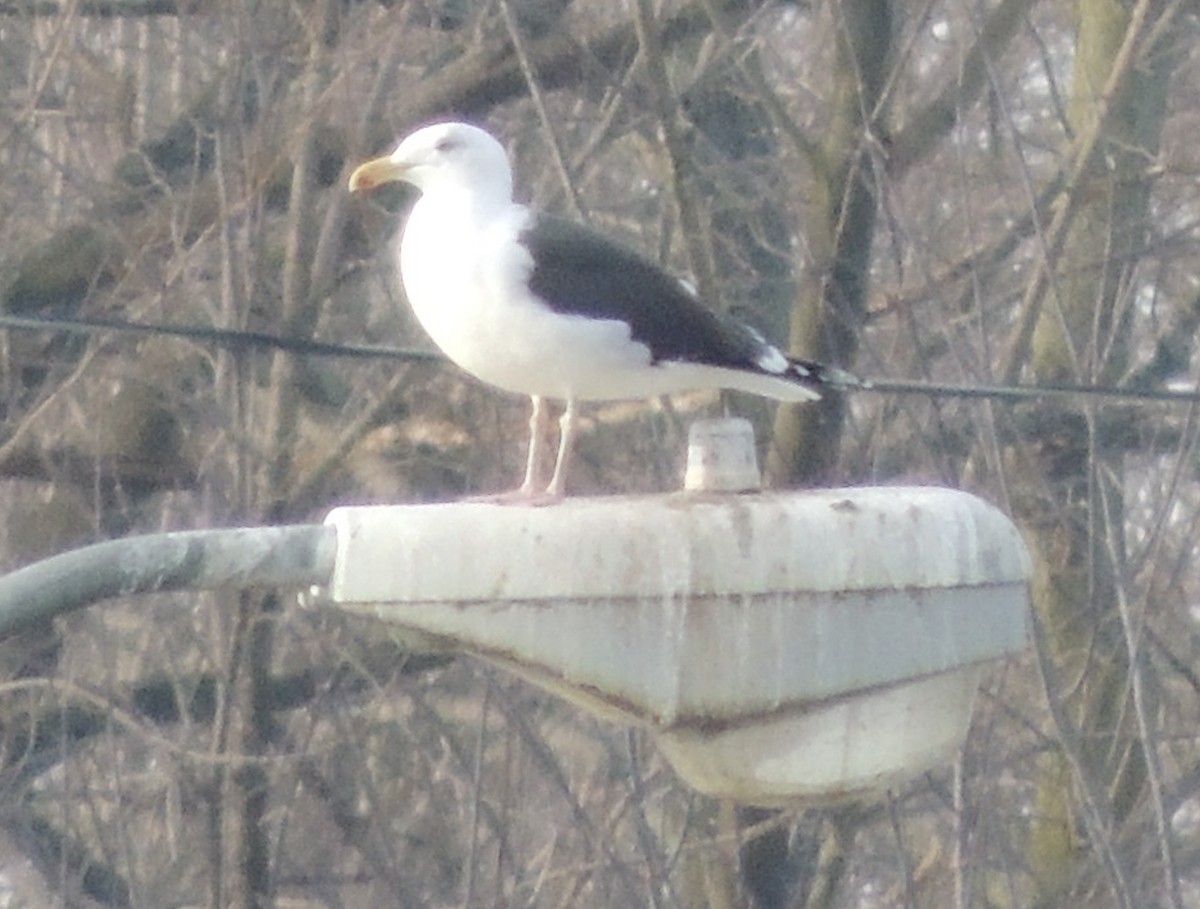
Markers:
<point>539,103</point>
<point>1055,234</point>
<point>679,168</point>
<point>1133,635</point>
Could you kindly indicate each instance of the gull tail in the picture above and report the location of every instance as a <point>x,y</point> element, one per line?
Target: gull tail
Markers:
<point>819,375</point>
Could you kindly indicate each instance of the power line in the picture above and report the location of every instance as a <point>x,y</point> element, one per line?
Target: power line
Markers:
<point>237,339</point>
<point>1031,392</point>
<point>222,337</point>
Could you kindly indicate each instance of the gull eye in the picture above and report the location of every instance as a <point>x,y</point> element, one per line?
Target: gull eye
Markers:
<point>445,146</point>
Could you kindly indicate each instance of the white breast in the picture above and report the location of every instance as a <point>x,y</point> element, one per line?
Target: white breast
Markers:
<point>465,278</point>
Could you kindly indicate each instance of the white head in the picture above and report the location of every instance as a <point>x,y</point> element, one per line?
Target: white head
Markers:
<point>443,158</point>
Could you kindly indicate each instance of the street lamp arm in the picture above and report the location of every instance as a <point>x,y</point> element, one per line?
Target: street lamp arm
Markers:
<point>291,556</point>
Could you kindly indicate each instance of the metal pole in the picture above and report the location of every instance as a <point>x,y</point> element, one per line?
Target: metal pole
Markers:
<point>294,556</point>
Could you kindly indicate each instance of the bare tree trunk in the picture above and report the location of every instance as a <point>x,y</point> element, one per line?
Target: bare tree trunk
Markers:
<point>1082,336</point>
<point>840,230</point>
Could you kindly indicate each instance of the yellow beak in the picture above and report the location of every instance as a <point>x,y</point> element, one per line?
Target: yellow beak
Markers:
<point>375,173</point>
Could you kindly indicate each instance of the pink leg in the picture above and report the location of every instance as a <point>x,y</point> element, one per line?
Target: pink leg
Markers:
<point>533,465</point>
<point>566,441</point>
<point>526,494</point>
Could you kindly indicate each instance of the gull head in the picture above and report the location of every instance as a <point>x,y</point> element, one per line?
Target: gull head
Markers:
<point>442,158</point>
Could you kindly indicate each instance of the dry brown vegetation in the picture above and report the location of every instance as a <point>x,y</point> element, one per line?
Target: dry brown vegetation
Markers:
<point>965,192</point>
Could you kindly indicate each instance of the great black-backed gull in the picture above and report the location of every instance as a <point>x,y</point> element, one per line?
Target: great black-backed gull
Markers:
<point>544,307</point>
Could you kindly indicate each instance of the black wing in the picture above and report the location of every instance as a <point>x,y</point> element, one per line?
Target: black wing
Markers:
<point>578,271</point>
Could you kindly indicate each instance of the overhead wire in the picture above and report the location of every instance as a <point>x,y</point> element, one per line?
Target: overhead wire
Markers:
<point>236,338</point>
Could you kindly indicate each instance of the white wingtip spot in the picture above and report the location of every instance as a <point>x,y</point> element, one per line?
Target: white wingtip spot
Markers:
<point>772,361</point>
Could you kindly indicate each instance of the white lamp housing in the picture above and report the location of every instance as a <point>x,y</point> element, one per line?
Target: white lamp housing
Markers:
<point>783,646</point>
